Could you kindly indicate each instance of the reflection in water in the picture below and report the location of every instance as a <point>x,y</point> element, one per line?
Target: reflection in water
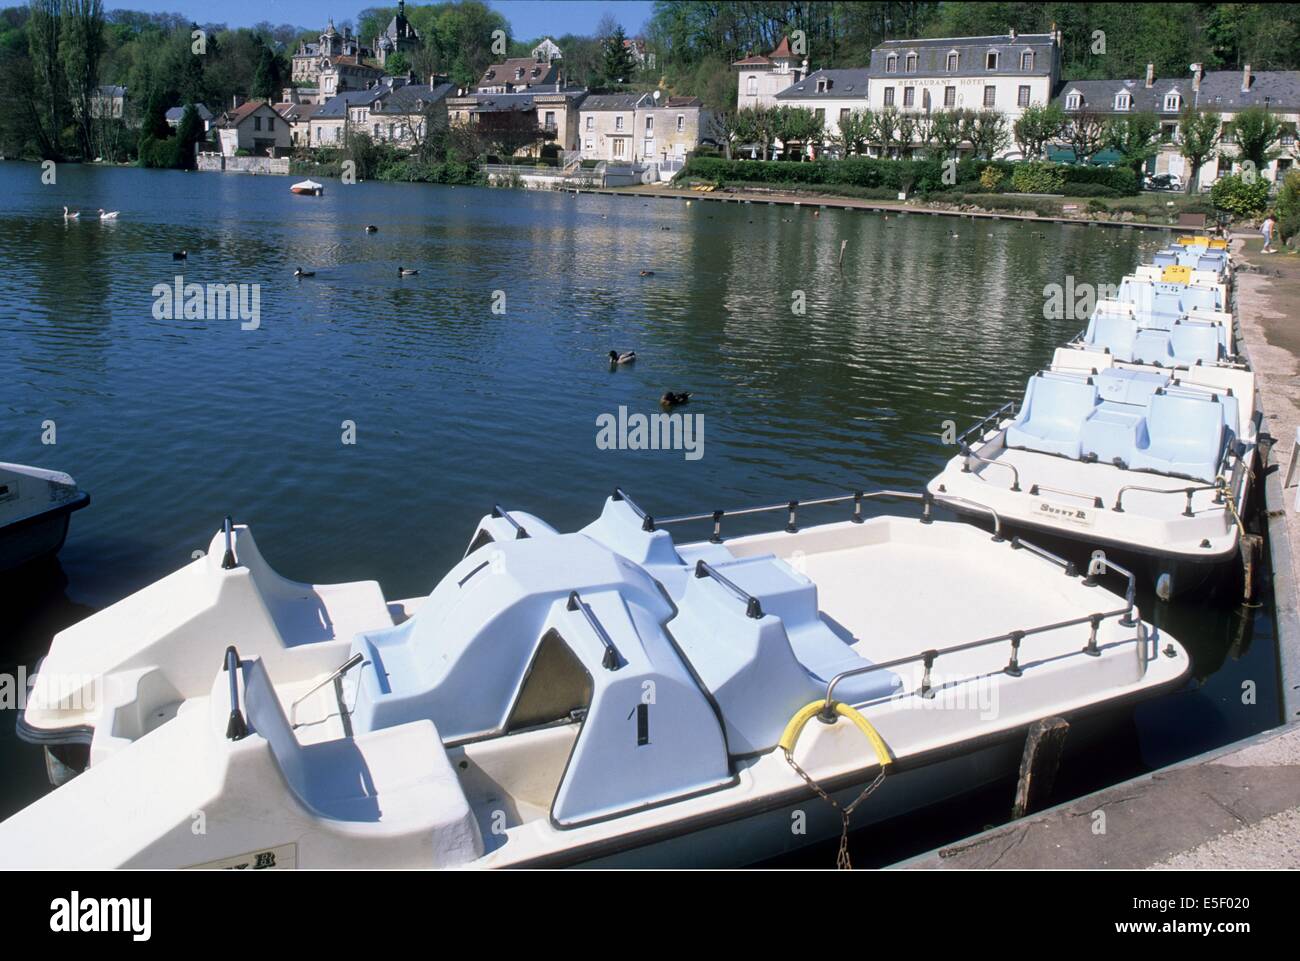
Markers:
<point>172,424</point>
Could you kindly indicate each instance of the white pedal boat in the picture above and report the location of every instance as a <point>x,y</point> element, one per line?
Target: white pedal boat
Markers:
<point>603,697</point>
<point>309,188</point>
<point>35,508</point>
<point>1154,462</point>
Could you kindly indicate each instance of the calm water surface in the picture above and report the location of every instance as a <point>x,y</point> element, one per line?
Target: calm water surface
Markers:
<point>170,424</point>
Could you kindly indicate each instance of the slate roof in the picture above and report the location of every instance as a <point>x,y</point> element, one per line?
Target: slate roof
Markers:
<point>409,97</point>
<point>176,114</point>
<point>1220,90</point>
<point>846,84</point>
<point>782,52</point>
<point>506,72</point>
<point>932,56</point>
<point>602,102</point>
<point>336,107</point>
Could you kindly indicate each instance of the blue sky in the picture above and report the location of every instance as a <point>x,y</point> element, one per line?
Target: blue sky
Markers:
<point>528,18</point>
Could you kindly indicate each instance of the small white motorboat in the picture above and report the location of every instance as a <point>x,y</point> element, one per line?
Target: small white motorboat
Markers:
<point>603,697</point>
<point>35,508</point>
<point>308,188</point>
<point>1141,438</point>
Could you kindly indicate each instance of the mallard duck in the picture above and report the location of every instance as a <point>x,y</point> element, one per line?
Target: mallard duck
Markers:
<point>622,356</point>
<point>406,271</point>
<point>108,214</point>
<point>304,273</point>
<point>180,255</point>
<point>673,398</point>
<point>371,229</point>
<point>647,273</point>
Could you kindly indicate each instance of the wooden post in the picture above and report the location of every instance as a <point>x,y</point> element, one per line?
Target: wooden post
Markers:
<point>1043,746</point>
<point>843,244</point>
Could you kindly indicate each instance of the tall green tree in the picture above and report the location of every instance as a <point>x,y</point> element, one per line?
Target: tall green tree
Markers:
<point>853,132</point>
<point>1036,127</point>
<point>43,31</point>
<point>81,44</point>
<point>1256,131</point>
<point>1198,135</point>
<point>617,65</point>
<point>1134,139</point>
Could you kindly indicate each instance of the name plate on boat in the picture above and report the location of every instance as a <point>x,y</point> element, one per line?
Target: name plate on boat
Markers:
<point>283,857</point>
<point>1070,514</point>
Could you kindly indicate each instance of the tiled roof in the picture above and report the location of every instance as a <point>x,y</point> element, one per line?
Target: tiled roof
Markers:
<point>178,113</point>
<point>612,101</point>
<point>508,72</point>
<point>1220,90</point>
<point>932,56</point>
<point>234,118</point>
<point>336,107</point>
<point>782,52</point>
<point>410,98</point>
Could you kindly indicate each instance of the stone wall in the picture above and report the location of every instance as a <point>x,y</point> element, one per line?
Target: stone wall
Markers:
<point>244,165</point>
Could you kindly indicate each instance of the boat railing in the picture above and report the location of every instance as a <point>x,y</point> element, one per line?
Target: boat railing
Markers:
<point>982,427</point>
<point>753,608</point>
<point>1188,492</point>
<point>791,510</point>
<point>1015,638</point>
<point>334,675</point>
<point>612,660</point>
<point>969,454</point>
<point>228,561</point>
<point>1096,500</point>
<point>501,512</point>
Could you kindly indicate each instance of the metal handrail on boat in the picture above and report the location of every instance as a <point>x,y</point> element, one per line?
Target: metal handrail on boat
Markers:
<point>1188,491</point>
<point>982,426</point>
<point>228,561</point>
<point>753,608</point>
<point>499,511</point>
<point>236,728</point>
<point>1015,473</point>
<point>792,508</point>
<point>1096,499</point>
<point>338,672</point>
<point>612,659</point>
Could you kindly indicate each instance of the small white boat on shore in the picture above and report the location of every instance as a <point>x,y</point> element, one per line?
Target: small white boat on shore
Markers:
<point>35,508</point>
<point>308,188</point>
<point>603,697</point>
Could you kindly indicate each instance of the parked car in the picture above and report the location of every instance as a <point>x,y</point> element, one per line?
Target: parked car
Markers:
<point>1164,182</point>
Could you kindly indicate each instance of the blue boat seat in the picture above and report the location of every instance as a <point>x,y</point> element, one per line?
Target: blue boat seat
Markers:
<point>1185,436</point>
<point>1165,258</point>
<point>821,650</point>
<point>1113,332</point>
<point>1199,298</point>
<point>1152,347</point>
<point>1112,433</point>
<point>1231,408</point>
<point>1052,415</point>
<point>1123,386</point>
<point>1195,340</point>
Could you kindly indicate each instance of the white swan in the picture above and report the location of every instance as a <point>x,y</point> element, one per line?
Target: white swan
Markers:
<point>71,215</point>
<point>108,214</point>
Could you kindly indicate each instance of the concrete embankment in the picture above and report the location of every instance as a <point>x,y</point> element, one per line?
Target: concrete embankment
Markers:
<point>1238,806</point>
<point>850,203</point>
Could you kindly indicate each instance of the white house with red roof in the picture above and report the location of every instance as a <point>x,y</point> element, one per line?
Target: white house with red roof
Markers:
<point>254,126</point>
<point>761,78</point>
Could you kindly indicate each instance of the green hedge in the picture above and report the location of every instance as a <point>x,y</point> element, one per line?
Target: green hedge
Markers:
<point>918,176</point>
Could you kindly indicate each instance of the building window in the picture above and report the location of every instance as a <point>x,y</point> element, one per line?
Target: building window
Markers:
<point>911,63</point>
<point>889,96</point>
<point>1168,131</point>
<point>990,95</point>
<point>751,86</point>
<point>891,63</point>
<point>550,120</point>
<point>618,122</point>
<point>681,123</point>
<point>844,113</point>
<point>991,60</point>
<point>1022,96</point>
<point>1074,101</point>
<point>1123,101</point>
<point>909,96</point>
<point>650,125</point>
<point>591,123</point>
<point>1172,101</point>
<point>1226,135</point>
<point>376,131</point>
<point>618,148</point>
<point>257,123</point>
<point>953,60</point>
<point>270,123</point>
<point>586,145</point>
<point>821,85</point>
<point>950,96</point>
<point>1287,135</point>
<point>820,114</point>
<point>1027,60</point>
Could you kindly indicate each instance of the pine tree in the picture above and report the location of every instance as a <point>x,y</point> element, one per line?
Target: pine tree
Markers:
<point>617,65</point>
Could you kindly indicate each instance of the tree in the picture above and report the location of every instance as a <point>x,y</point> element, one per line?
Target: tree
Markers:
<point>268,79</point>
<point>884,130</point>
<point>43,29</point>
<point>1036,127</point>
<point>1134,139</point>
<point>397,64</point>
<point>1087,134</point>
<point>190,133</point>
<point>987,132</point>
<point>81,43</point>
<point>1256,131</point>
<point>756,125</point>
<point>854,132</point>
<point>947,131</point>
<point>799,125</point>
<point>617,65</point>
<point>1199,135</point>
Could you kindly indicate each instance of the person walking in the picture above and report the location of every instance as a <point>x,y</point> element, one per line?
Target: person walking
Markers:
<point>1266,228</point>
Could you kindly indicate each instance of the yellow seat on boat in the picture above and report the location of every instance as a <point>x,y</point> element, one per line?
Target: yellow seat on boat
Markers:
<point>1194,241</point>
<point>1174,274</point>
<point>1218,244</point>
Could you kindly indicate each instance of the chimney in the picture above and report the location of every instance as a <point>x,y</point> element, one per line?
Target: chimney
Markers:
<point>1151,75</point>
<point>235,101</point>
<point>1245,79</point>
<point>1196,78</point>
<point>1011,32</point>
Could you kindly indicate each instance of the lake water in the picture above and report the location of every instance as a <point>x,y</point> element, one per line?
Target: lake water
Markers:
<point>170,424</point>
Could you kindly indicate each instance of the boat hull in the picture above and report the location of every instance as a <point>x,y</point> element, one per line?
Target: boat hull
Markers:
<point>39,537</point>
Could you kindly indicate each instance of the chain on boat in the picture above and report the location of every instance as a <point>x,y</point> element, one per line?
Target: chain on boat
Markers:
<point>790,737</point>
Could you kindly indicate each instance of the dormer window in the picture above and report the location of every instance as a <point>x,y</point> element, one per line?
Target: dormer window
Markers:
<point>1027,60</point>
<point>953,60</point>
<point>1074,101</point>
<point>991,60</point>
<point>822,85</point>
<point>1172,101</point>
<point>1123,101</point>
<point>910,63</point>
<point>519,73</point>
<point>891,63</point>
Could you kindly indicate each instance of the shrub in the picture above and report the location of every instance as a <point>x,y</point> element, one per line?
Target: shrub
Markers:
<point>1037,178</point>
<point>1238,196</point>
<point>1090,190</point>
<point>1097,207</point>
<point>1120,179</point>
<point>990,177</point>
<point>1288,206</point>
